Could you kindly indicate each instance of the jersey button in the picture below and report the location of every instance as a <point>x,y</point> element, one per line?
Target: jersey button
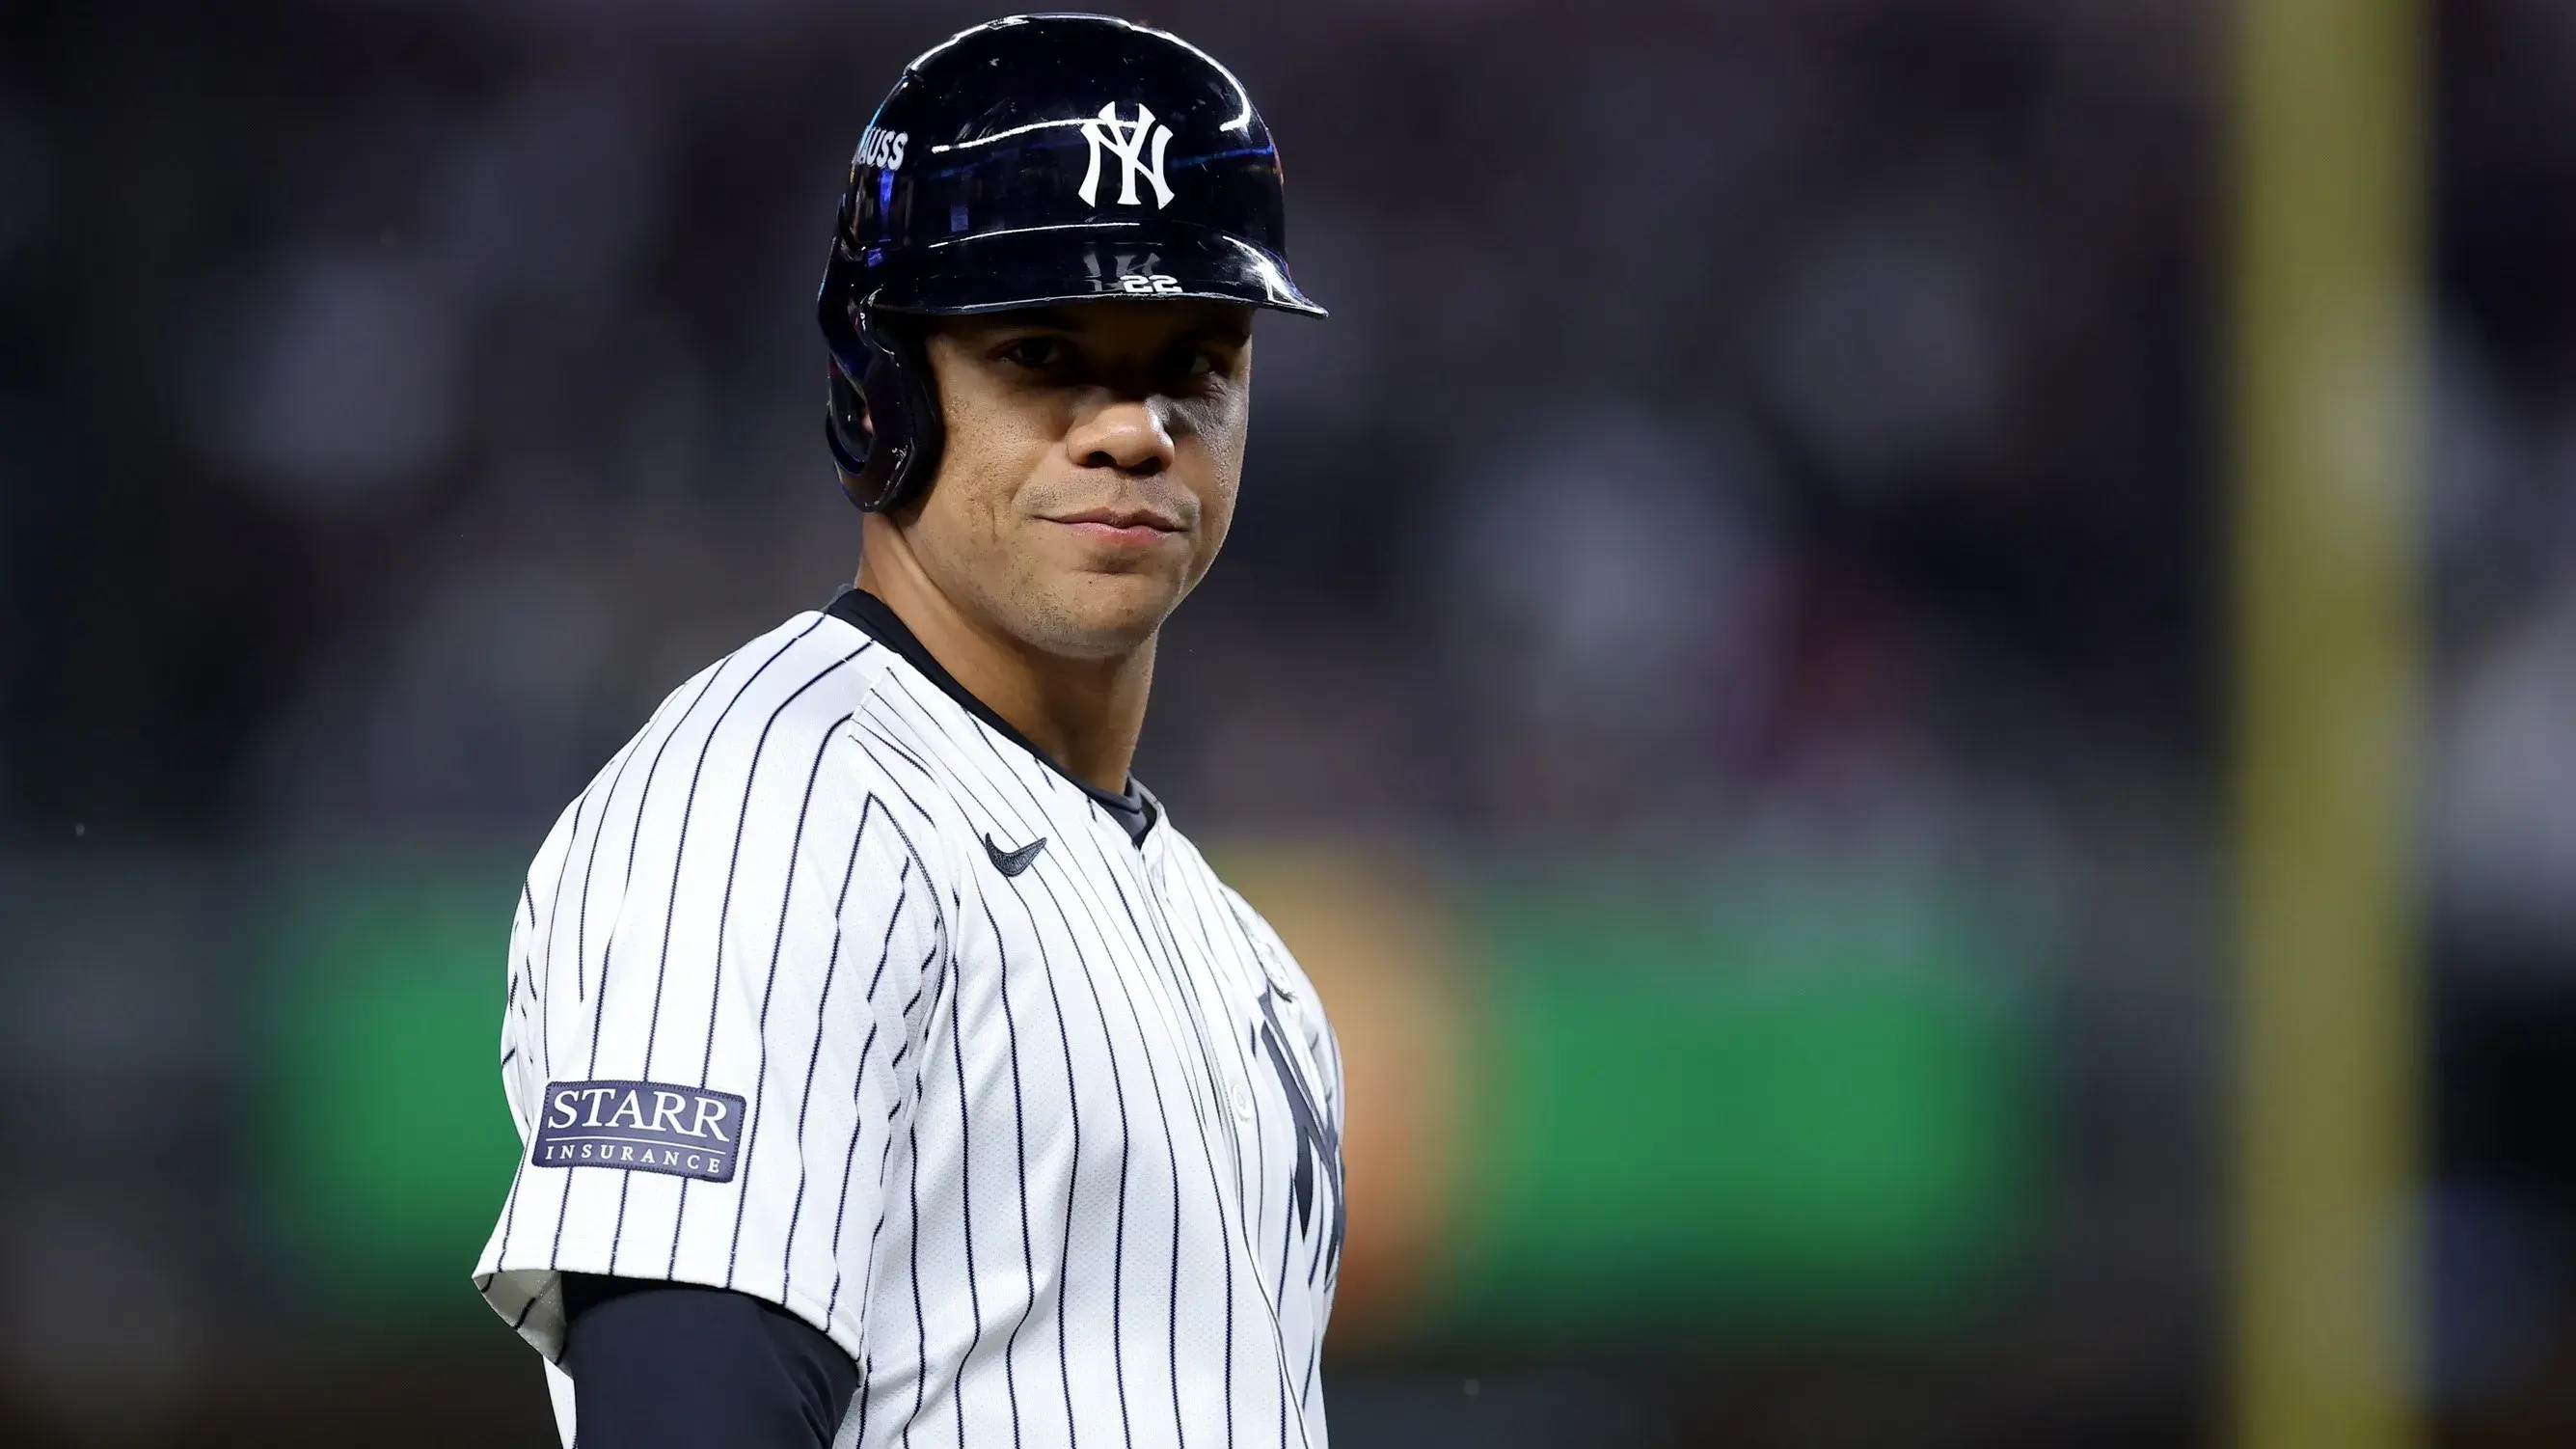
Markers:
<point>1242,1102</point>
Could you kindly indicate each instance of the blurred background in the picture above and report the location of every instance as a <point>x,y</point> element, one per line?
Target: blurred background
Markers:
<point>1722,670</point>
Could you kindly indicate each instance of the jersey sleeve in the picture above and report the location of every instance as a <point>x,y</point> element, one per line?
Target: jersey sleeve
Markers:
<point>726,975</point>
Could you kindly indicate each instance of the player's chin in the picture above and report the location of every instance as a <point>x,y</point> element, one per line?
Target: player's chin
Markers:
<point>1109,612</point>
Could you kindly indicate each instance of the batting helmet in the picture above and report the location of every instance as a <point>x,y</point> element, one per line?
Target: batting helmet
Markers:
<point>1035,160</point>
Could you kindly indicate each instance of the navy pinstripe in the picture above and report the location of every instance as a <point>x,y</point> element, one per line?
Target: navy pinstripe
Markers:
<point>1177,1281</point>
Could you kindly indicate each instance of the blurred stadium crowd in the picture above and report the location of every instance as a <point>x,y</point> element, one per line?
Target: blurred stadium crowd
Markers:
<point>1780,437</point>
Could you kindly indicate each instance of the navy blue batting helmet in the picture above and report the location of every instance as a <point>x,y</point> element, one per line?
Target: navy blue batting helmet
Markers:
<point>1036,160</point>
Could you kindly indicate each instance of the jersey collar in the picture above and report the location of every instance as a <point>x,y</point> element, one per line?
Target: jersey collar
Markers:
<point>1135,812</point>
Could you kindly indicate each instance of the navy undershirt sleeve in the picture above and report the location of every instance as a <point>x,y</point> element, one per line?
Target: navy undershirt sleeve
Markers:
<point>669,1366</point>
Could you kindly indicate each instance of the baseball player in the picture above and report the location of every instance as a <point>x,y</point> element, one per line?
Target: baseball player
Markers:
<point>890,1069</point>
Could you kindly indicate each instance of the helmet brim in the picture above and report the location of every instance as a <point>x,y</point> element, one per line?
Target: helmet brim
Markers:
<point>1099,262</point>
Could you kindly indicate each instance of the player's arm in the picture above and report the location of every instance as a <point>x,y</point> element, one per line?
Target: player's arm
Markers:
<point>661,1365</point>
<point>723,1087</point>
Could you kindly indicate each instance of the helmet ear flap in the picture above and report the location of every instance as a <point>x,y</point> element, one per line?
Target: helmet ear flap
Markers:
<point>845,431</point>
<point>881,418</point>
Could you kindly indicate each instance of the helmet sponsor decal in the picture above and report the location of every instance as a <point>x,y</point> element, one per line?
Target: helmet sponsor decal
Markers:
<point>880,148</point>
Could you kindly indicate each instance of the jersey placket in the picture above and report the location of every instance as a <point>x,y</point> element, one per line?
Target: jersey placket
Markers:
<point>1166,984</point>
<point>1232,1088</point>
<point>1144,869</point>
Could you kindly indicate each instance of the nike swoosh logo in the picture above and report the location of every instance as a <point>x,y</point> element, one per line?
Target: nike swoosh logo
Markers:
<point>1012,862</point>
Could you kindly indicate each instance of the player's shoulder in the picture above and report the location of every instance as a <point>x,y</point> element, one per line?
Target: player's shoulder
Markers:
<point>782,704</point>
<point>817,680</point>
<point>777,730</point>
<point>802,677</point>
<point>813,670</point>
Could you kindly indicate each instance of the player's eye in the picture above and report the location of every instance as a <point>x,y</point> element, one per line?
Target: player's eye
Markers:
<point>1039,353</point>
<point>1197,367</point>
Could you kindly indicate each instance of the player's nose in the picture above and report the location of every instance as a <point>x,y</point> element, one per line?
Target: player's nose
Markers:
<point>1130,435</point>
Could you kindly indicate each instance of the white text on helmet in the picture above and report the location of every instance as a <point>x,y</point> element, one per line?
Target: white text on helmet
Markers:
<point>880,148</point>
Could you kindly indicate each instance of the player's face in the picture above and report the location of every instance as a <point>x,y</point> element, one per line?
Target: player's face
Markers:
<point>1091,464</point>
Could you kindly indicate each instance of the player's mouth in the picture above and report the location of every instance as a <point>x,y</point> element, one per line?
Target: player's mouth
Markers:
<point>1121,527</point>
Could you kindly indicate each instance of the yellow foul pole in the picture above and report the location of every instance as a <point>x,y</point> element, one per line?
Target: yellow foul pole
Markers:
<point>2328,374</point>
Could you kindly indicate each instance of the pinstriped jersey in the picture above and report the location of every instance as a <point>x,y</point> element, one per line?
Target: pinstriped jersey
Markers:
<point>832,991</point>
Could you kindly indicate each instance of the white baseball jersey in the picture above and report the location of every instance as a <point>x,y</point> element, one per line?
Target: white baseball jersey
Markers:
<point>831,990</point>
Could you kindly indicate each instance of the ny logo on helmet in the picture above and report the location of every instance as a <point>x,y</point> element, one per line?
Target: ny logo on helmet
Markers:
<point>1127,140</point>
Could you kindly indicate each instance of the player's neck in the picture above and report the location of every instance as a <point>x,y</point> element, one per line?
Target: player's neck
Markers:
<point>1084,713</point>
